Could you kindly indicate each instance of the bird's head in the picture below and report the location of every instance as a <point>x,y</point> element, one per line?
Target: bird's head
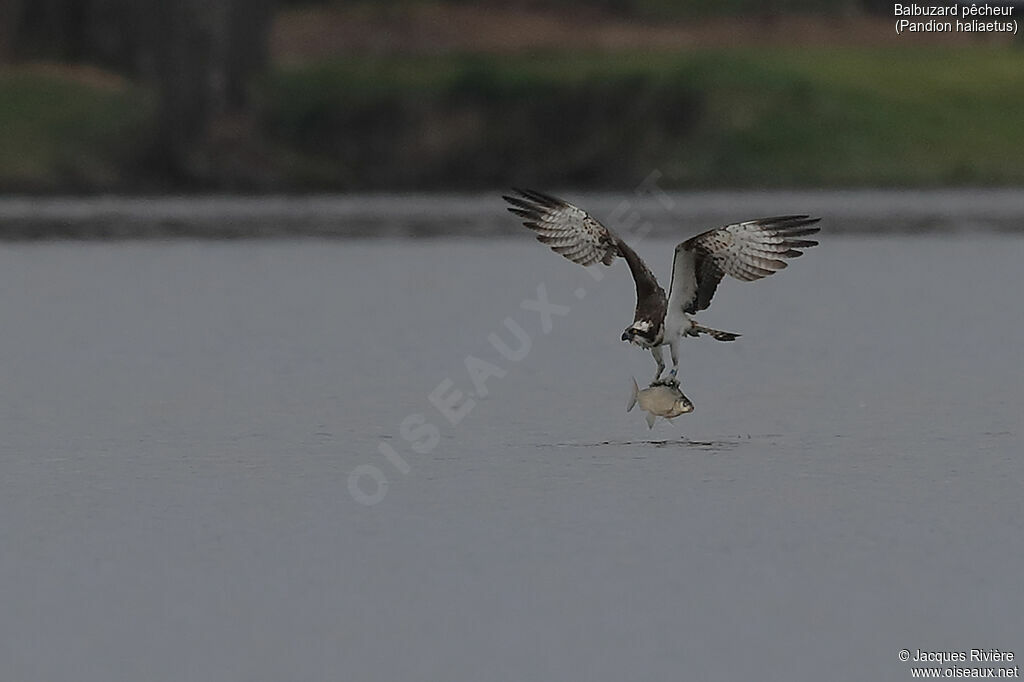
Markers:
<point>640,333</point>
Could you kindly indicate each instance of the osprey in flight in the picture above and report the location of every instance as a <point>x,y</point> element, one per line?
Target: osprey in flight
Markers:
<point>747,251</point>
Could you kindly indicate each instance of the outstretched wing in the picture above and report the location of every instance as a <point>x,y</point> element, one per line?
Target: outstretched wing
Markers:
<point>747,251</point>
<point>568,230</point>
<point>572,232</point>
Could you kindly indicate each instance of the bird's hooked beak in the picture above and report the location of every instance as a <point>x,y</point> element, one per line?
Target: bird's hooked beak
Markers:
<point>627,335</point>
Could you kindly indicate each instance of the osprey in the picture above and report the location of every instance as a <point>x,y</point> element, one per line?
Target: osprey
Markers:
<point>746,251</point>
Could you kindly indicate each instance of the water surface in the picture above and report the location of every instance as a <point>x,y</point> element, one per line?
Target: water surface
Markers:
<point>181,422</point>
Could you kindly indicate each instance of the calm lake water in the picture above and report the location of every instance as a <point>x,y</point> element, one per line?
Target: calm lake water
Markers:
<point>195,434</point>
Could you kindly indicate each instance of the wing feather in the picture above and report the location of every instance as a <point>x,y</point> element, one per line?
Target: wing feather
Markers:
<point>568,230</point>
<point>574,234</point>
<point>747,251</point>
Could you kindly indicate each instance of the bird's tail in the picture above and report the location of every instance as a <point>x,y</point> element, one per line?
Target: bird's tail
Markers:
<point>716,334</point>
<point>632,398</point>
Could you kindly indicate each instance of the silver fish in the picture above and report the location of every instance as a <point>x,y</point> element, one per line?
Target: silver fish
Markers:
<point>660,399</point>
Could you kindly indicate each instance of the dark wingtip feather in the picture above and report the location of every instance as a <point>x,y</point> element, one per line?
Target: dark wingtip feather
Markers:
<point>797,231</point>
<point>515,201</point>
<point>791,224</point>
<point>539,197</point>
<point>524,209</point>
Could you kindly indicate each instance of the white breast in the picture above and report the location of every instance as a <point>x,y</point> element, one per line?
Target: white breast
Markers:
<point>677,325</point>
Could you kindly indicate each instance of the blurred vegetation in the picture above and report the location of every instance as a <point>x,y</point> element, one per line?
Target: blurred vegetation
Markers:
<point>199,103</point>
<point>196,57</point>
<point>64,131</point>
<point>642,9</point>
<point>764,117</point>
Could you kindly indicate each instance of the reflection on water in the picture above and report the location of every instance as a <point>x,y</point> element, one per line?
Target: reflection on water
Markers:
<point>683,442</point>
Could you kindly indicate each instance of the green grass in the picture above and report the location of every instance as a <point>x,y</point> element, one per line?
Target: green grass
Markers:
<point>643,9</point>
<point>709,118</point>
<point>59,133</point>
<point>764,117</point>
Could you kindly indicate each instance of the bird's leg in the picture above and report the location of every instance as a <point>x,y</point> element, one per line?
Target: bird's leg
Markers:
<point>660,359</point>
<point>673,347</point>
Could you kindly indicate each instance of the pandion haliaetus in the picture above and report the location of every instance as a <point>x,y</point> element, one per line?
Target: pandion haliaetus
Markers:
<point>747,251</point>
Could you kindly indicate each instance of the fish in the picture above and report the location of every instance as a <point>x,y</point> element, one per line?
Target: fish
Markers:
<point>660,399</point>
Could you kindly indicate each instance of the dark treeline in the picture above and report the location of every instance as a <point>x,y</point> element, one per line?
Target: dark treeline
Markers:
<point>662,9</point>
<point>199,55</point>
<point>203,110</point>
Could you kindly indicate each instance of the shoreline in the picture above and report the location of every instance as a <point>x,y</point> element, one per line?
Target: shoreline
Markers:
<point>482,215</point>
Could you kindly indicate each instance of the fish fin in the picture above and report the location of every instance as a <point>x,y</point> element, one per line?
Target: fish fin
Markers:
<point>632,398</point>
<point>650,420</point>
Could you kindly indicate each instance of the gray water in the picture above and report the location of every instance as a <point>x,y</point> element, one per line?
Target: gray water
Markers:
<point>190,451</point>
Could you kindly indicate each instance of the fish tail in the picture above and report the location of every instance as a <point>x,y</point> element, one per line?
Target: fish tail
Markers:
<point>632,398</point>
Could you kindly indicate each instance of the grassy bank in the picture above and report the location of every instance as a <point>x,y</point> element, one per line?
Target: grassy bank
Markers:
<point>739,118</point>
<point>645,9</point>
<point>69,129</point>
<point>804,117</point>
